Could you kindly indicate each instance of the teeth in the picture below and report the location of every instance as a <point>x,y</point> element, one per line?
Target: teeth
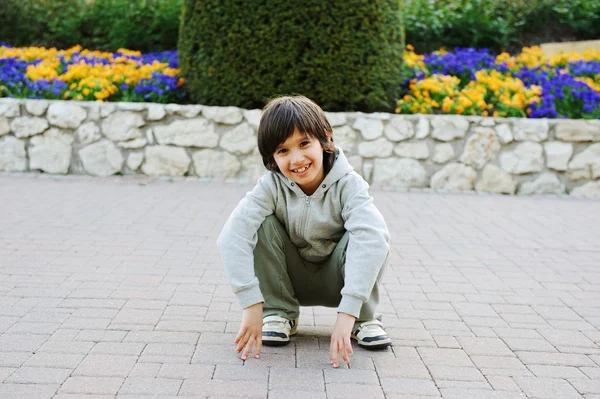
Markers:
<point>301,169</point>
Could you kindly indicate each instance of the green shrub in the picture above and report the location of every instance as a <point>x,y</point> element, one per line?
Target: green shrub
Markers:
<point>145,25</point>
<point>344,54</point>
<point>507,25</point>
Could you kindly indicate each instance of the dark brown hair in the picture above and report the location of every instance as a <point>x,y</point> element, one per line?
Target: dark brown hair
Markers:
<point>282,116</point>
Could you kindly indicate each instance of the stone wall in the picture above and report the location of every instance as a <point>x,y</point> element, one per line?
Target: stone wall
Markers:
<point>495,155</point>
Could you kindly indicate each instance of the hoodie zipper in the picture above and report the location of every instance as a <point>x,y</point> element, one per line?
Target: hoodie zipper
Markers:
<point>305,214</point>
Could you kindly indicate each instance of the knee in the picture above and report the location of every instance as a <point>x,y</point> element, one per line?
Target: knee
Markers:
<point>271,227</point>
<point>269,224</point>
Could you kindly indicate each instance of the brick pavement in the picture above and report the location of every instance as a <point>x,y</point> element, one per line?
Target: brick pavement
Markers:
<point>113,288</point>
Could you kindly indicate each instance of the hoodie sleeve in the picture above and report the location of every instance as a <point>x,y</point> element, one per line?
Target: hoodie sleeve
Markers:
<point>238,239</point>
<point>368,246</point>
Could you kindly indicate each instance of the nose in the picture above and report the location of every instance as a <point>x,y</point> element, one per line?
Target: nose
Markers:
<point>297,157</point>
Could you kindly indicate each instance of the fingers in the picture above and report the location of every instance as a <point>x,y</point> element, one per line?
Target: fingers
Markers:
<point>349,346</point>
<point>347,350</point>
<point>243,342</point>
<point>333,352</point>
<point>248,348</point>
<point>340,345</point>
<point>344,353</point>
<point>240,335</point>
<point>258,348</point>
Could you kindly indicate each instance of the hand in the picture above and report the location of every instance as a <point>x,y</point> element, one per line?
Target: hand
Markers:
<point>340,339</point>
<point>250,332</point>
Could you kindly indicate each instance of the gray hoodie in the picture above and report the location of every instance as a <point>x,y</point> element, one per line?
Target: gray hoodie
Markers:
<point>315,225</point>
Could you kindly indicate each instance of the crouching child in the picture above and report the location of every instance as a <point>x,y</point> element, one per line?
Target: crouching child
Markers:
<point>308,234</point>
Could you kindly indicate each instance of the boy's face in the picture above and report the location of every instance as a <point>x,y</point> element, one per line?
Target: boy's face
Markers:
<point>300,159</point>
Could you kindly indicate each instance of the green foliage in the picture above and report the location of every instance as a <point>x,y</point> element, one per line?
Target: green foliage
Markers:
<point>145,25</point>
<point>499,25</point>
<point>344,54</point>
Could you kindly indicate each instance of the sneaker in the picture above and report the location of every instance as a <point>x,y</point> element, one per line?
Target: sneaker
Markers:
<point>277,330</point>
<point>371,335</point>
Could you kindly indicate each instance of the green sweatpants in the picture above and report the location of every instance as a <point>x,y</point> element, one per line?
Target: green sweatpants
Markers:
<point>287,281</point>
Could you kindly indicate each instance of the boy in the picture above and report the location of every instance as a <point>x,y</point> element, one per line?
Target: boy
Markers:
<point>307,234</point>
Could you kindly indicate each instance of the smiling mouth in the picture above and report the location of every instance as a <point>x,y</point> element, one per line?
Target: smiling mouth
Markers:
<point>302,169</point>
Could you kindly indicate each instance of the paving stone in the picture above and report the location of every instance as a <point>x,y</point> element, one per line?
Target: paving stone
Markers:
<point>271,360</point>
<point>402,368</point>
<point>92,385</point>
<point>78,396</point>
<point>294,380</point>
<point>94,314</point>
<point>20,391</point>
<point>444,357</point>
<point>240,373</point>
<point>285,394</point>
<point>150,386</point>
<point>567,338</point>
<point>54,360</point>
<point>484,346</point>
<point>455,373</point>
<point>563,372</point>
<point>39,375</point>
<point>341,376</point>
<point>506,372</point>
<point>93,303</point>
<point>546,388</point>
<point>585,386</point>
<point>341,391</point>
<point>21,342</point>
<point>516,333</point>
<point>79,323</point>
<point>467,393</point>
<point>407,386</point>
<point>101,365</point>
<point>591,372</point>
<point>100,336</point>
<point>317,359</point>
<point>14,359</point>
<point>475,309</point>
<point>216,354</point>
<point>530,345</point>
<point>503,362</point>
<point>503,383</point>
<point>441,384</point>
<point>246,389</point>
<point>71,347</point>
<point>182,350</point>
<point>484,321</point>
<point>137,316</point>
<point>33,328</point>
<point>5,372</point>
<point>118,348</point>
<point>554,359</point>
<point>149,370</point>
<point>447,342</point>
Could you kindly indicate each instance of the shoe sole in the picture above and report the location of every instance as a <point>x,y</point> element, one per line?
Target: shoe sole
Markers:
<point>276,341</point>
<point>373,345</point>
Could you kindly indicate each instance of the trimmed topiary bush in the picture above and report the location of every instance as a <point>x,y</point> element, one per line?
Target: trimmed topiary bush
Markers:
<point>344,54</point>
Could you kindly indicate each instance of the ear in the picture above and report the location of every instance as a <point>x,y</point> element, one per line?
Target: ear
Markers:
<point>328,135</point>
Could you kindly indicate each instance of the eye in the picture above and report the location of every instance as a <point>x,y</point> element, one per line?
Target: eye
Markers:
<point>281,151</point>
<point>304,143</point>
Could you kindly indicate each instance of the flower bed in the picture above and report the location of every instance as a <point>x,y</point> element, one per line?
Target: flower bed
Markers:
<point>476,82</point>
<point>463,81</point>
<point>84,75</point>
